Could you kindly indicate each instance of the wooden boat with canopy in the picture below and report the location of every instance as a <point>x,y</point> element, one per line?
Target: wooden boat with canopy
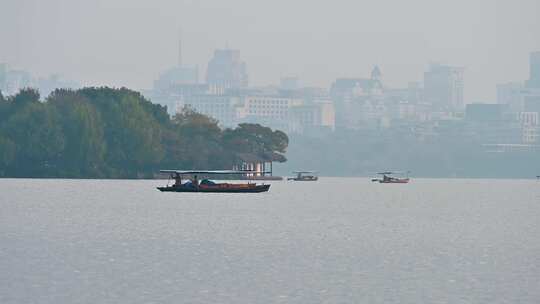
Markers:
<point>193,184</point>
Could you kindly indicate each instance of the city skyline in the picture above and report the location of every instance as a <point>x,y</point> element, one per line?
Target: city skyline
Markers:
<point>490,40</point>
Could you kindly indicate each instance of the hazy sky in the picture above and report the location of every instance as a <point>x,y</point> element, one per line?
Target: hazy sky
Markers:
<point>128,42</point>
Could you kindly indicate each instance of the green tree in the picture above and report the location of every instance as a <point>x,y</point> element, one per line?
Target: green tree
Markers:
<point>39,139</point>
<point>4,108</point>
<point>133,129</point>
<point>83,129</point>
<point>7,154</point>
<point>117,133</point>
<point>199,139</point>
<point>257,139</point>
<point>26,96</point>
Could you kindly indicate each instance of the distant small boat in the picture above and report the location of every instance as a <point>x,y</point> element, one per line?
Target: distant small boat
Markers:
<point>304,176</point>
<point>387,178</point>
<point>208,186</point>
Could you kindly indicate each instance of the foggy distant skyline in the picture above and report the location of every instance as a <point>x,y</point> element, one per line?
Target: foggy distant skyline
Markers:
<point>129,42</point>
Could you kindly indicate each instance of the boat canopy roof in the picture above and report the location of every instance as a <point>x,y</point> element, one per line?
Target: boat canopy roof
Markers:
<point>186,172</point>
<point>393,172</point>
<point>305,171</point>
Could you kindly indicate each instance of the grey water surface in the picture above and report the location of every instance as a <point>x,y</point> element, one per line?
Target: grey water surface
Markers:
<point>339,240</point>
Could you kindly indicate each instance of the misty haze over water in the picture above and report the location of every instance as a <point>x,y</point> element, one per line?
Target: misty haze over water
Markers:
<point>128,43</point>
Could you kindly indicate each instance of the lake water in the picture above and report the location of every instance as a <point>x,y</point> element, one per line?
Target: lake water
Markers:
<point>339,240</point>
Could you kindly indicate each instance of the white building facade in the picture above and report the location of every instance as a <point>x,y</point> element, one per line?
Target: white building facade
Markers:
<point>283,113</point>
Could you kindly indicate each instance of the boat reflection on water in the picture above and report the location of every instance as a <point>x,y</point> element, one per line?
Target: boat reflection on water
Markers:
<point>192,183</point>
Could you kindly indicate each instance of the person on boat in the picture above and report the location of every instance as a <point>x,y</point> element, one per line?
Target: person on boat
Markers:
<point>386,178</point>
<point>177,181</point>
<point>195,181</point>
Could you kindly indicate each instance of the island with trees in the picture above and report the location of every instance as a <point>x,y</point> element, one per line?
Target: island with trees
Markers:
<point>117,133</point>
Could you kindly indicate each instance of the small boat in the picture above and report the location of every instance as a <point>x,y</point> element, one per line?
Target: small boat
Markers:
<point>206,185</point>
<point>304,176</point>
<point>387,178</point>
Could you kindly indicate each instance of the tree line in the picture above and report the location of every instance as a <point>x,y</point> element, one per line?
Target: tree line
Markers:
<point>117,133</point>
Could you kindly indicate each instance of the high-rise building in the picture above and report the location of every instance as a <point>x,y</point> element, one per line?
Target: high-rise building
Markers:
<point>179,75</point>
<point>530,127</point>
<point>289,83</point>
<point>534,70</point>
<point>227,70</point>
<point>522,97</point>
<point>376,73</point>
<point>223,108</point>
<point>519,97</point>
<point>415,93</point>
<point>175,83</point>
<point>46,85</point>
<point>351,95</point>
<point>443,87</point>
<point>16,80</point>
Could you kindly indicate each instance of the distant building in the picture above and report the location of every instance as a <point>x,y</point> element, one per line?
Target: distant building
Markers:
<point>376,74</point>
<point>532,103</point>
<point>351,96</point>
<point>520,98</point>
<point>174,84</point>
<point>443,87</point>
<point>346,89</point>
<point>493,124</point>
<point>415,93</point>
<point>482,112</point>
<point>288,114</point>
<point>15,80</point>
<point>530,126</point>
<point>313,117</point>
<point>272,111</point>
<point>179,75</point>
<point>227,70</point>
<point>404,105</point>
<point>313,93</point>
<point>534,71</point>
<point>530,118</point>
<point>175,95</point>
<point>289,83</point>
<point>224,108</point>
<point>523,97</point>
<point>46,85</point>
<point>511,95</point>
<point>12,81</point>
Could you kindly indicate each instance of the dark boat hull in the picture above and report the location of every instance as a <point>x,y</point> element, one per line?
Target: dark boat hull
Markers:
<point>252,189</point>
<point>396,181</point>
